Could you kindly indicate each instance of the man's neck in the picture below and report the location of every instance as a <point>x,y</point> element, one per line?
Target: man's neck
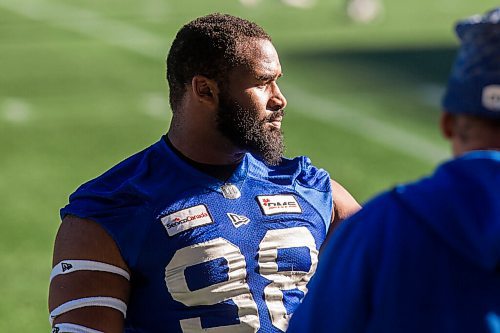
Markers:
<point>206,149</point>
<point>221,172</point>
<point>193,132</point>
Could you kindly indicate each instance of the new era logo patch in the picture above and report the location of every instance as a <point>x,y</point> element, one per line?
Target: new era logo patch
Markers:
<point>278,204</point>
<point>66,267</point>
<point>186,219</point>
<point>238,220</point>
<point>491,97</point>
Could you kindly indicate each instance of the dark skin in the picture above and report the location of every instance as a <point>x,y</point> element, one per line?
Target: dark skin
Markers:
<point>254,87</point>
<point>83,239</point>
<point>467,133</point>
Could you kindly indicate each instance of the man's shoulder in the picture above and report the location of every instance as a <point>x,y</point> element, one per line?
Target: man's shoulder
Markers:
<point>126,184</point>
<point>379,206</point>
<point>132,168</point>
<point>379,215</point>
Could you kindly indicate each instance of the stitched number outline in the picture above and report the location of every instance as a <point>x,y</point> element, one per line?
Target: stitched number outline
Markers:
<point>284,280</point>
<point>236,288</point>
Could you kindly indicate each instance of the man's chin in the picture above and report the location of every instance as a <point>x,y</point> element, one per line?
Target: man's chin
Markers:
<point>270,154</point>
<point>273,126</point>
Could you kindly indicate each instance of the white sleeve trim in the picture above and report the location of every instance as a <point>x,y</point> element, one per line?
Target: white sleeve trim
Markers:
<point>69,266</point>
<point>109,302</point>
<point>72,328</point>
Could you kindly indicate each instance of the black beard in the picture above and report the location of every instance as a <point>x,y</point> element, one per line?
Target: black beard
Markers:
<point>244,129</point>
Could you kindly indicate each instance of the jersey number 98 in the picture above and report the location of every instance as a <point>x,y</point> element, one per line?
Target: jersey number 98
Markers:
<point>235,286</point>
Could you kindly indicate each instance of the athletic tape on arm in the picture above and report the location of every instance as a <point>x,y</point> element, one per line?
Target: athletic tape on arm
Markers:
<point>69,266</point>
<point>72,328</point>
<point>109,302</point>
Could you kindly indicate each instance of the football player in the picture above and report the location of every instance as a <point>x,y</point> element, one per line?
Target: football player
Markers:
<point>425,257</point>
<point>209,229</point>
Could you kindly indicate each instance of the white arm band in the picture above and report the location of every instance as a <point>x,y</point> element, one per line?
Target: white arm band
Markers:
<point>109,302</point>
<point>69,266</point>
<point>72,328</point>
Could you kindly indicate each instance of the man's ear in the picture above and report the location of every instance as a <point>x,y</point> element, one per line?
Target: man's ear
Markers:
<point>205,90</point>
<point>447,124</point>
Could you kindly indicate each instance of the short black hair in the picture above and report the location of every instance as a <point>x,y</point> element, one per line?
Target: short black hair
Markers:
<point>208,46</point>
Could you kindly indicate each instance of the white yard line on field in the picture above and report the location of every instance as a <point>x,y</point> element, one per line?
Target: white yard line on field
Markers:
<point>143,42</point>
<point>15,110</point>
<point>370,128</point>
<point>89,23</point>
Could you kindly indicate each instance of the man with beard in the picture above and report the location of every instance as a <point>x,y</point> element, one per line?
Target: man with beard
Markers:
<point>210,228</point>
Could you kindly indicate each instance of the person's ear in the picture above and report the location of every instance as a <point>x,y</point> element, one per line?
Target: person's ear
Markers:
<point>447,124</point>
<point>205,90</point>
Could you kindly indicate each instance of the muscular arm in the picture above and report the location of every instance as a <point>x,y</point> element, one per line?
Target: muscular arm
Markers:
<point>80,239</point>
<point>344,205</point>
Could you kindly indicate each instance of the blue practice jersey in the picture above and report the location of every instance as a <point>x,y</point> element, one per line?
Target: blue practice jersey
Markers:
<point>200,256</point>
<point>423,257</point>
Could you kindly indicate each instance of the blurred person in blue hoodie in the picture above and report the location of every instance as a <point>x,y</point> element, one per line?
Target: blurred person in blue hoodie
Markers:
<point>425,257</point>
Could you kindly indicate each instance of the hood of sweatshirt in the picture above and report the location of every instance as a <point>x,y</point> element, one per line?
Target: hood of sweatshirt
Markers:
<point>460,202</point>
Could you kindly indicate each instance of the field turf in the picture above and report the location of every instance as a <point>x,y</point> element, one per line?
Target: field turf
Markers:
<point>82,86</point>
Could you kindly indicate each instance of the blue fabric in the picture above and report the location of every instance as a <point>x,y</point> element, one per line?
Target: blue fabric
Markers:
<point>423,257</point>
<point>477,68</point>
<point>130,200</point>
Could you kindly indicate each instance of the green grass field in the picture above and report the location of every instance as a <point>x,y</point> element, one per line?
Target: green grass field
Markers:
<point>82,87</point>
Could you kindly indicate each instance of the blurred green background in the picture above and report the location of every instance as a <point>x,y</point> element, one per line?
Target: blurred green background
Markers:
<point>82,87</point>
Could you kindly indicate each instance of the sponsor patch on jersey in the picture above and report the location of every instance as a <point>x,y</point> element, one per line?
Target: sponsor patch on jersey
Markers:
<point>278,204</point>
<point>238,220</point>
<point>186,219</point>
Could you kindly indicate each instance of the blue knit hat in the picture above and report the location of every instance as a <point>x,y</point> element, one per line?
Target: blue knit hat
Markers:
<point>474,84</point>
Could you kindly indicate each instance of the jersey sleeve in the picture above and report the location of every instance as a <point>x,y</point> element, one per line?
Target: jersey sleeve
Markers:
<point>118,203</point>
<point>314,183</point>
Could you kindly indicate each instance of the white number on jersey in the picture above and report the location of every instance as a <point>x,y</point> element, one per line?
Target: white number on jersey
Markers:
<point>236,288</point>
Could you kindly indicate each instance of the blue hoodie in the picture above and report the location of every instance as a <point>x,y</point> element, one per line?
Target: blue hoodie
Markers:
<point>423,257</point>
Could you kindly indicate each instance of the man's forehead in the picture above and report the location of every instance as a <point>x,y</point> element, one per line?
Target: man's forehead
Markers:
<point>266,70</point>
<point>260,57</point>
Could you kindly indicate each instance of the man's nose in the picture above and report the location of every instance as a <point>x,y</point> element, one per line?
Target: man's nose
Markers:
<point>277,100</point>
